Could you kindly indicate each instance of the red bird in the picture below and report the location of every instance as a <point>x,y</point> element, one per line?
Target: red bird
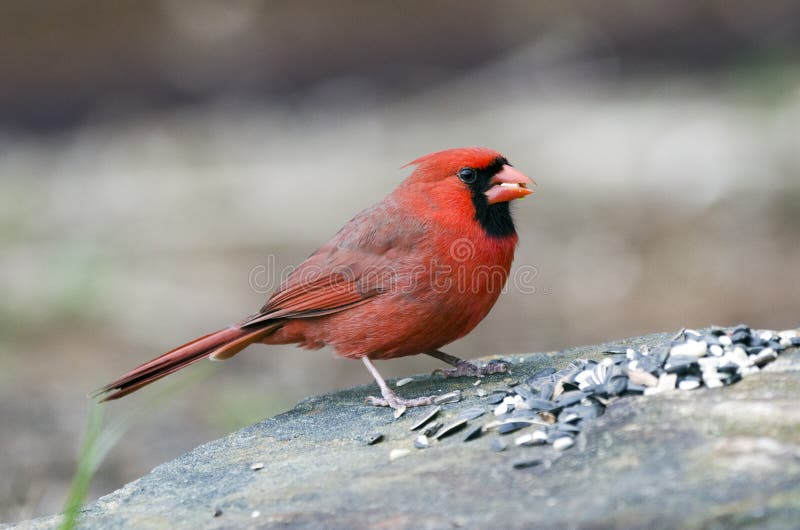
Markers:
<point>406,276</point>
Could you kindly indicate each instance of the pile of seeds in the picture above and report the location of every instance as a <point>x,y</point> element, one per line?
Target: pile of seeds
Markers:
<point>552,407</point>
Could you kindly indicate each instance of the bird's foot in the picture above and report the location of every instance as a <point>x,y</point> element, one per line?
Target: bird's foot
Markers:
<point>390,399</point>
<point>465,368</point>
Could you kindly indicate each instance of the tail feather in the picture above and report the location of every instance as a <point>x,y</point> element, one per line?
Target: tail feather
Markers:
<point>219,345</point>
<point>233,347</point>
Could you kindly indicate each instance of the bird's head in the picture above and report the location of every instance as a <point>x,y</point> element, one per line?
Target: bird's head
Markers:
<point>482,175</point>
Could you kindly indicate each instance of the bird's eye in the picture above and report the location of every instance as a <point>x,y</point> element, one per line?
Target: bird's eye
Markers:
<point>467,175</point>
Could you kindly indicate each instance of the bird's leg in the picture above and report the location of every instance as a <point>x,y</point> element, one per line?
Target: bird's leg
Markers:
<point>390,399</point>
<point>466,368</point>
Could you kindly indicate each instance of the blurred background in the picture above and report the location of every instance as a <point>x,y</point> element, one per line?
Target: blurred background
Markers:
<point>157,158</point>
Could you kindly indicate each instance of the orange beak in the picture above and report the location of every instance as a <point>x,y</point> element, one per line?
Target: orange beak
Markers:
<point>509,184</point>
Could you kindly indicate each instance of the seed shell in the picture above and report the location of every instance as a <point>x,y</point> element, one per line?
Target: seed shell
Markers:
<point>472,413</point>
<point>473,433</point>
<point>426,418</point>
<point>450,429</point>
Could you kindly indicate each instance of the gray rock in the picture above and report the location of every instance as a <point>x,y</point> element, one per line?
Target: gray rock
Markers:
<point>710,458</point>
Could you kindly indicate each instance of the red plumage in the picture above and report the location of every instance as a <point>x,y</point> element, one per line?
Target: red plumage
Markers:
<point>408,275</point>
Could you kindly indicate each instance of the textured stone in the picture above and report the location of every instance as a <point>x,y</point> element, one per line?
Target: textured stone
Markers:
<point>711,458</point>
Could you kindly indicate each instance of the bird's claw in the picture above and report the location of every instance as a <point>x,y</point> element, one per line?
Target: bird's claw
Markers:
<point>400,404</point>
<point>468,369</point>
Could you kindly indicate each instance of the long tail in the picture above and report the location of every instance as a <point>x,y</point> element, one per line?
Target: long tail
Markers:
<point>219,345</point>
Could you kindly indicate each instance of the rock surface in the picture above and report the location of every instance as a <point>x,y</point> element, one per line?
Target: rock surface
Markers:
<point>708,458</point>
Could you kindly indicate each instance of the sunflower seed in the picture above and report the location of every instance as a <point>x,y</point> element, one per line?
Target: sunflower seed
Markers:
<point>777,346</point>
<point>450,429</point>
<point>583,411</point>
<point>513,426</point>
<point>665,382</point>
<point>502,409</point>
<point>537,437</point>
<point>649,364</point>
<point>421,442</point>
<point>748,370</point>
<point>524,392</point>
<point>766,356</point>
<point>565,442</point>
<point>541,374</point>
<point>558,389</point>
<point>496,397</point>
<point>519,403</point>
<point>257,466</point>
<point>562,401</point>
<point>602,401</point>
<point>730,378</point>
<point>640,377</point>
<point>691,348</point>
<point>450,397</point>
<point>567,428</point>
<point>400,411</point>
<point>471,414</point>
<point>403,382</point>
<point>525,439</point>
<point>524,464</point>
<point>711,379</point>
<point>541,404</point>
<point>728,367</point>
<point>690,383</point>
<point>740,336</point>
<point>374,438</point>
<point>432,428</point>
<point>679,365</point>
<point>570,398</point>
<point>716,350</point>
<point>546,390</point>
<point>394,454</point>
<point>548,417</point>
<point>619,358</point>
<point>523,414</point>
<point>708,363</point>
<point>616,386</point>
<point>473,432</point>
<point>584,377</point>
<point>426,418</point>
<point>738,356</point>
<point>523,421</point>
<point>692,334</point>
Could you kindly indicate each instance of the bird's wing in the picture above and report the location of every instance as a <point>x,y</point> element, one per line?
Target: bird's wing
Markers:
<point>355,266</point>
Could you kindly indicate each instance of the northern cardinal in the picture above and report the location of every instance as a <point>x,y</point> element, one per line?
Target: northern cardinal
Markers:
<point>408,275</point>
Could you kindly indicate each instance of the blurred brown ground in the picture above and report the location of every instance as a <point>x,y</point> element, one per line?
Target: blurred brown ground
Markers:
<point>157,157</point>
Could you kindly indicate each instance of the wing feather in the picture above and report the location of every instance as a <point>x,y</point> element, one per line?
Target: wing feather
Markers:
<point>355,266</point>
